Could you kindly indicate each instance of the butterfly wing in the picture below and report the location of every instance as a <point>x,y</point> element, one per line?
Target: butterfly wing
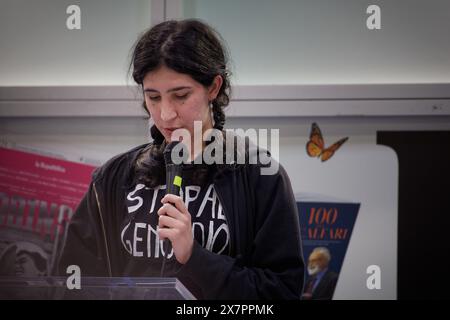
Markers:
<point>329,152</point>
<point>315,144</point>
<point>313,149</point>
<point>316,135</point>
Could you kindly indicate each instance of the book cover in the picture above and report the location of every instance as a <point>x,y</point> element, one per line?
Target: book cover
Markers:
<point>38,195</point>
<point>326,229</point>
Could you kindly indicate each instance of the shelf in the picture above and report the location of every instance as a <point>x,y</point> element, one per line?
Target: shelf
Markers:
<point>247,101</point>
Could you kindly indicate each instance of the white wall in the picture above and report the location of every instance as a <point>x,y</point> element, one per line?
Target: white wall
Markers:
<point>326,41</point>
<point>100,138</point>
<point>37,49</point>
<point>271,42</point>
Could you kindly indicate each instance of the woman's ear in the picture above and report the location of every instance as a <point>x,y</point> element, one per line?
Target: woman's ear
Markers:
<point>214,88</point>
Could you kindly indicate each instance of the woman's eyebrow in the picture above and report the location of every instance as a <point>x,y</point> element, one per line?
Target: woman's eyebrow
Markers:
<point>170,90</point>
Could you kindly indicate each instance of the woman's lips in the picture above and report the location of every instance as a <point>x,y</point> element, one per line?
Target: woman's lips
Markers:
<point>169,131</point>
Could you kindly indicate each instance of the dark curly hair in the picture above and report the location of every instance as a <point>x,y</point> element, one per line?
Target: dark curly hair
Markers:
<point>190,47</point>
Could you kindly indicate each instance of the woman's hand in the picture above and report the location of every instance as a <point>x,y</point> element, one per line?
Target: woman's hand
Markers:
<point>175,225</point>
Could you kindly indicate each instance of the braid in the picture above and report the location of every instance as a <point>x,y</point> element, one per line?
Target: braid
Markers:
<point>157,136</point>
<point>218,115</point>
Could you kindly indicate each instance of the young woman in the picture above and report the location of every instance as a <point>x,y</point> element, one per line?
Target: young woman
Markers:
<point>234,232</point>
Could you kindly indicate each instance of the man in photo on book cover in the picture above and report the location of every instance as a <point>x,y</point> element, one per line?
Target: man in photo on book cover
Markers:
<point>322,281</point>
<point>23,259</point>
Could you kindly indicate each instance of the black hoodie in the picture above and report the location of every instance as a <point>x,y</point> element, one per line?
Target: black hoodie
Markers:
<point>265,260</point>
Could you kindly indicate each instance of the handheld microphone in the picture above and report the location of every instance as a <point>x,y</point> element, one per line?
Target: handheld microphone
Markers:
<point>173,171</point>
<point>173,182</point>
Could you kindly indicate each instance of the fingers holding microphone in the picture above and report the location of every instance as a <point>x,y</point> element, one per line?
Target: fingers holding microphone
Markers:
<point>175,225</point>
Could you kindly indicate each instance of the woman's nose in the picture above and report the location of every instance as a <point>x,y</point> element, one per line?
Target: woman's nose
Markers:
<point>168,112</point>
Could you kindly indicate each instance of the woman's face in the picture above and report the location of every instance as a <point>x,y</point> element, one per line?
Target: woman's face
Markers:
<point>175,100</point>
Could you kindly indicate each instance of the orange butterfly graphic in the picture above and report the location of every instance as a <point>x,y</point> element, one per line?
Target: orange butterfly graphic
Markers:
<point>316,146</point>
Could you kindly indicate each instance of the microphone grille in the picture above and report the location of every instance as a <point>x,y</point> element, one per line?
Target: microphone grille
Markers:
<point>168,152</point>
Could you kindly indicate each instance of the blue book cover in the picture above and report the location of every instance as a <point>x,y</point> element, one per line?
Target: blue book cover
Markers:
<point>326,227</point>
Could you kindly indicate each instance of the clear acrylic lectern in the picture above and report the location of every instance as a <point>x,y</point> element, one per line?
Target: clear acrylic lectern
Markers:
<point>93,288</point>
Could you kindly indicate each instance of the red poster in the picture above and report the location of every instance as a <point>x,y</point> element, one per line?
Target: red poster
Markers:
<point>38,195</point>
